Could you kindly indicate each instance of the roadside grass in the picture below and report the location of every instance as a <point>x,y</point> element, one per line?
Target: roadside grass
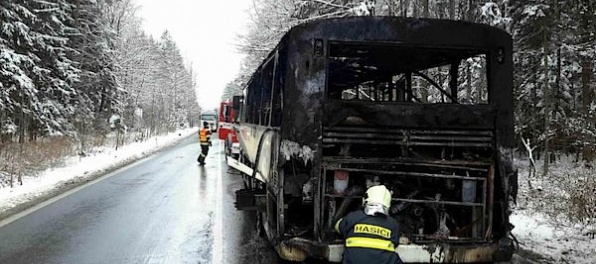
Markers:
<point>18,160</point>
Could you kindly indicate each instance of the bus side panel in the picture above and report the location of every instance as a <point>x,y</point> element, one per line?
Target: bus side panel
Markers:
<point>300,146</point>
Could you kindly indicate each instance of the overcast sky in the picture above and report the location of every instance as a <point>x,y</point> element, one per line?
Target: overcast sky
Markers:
<point>206,32</point>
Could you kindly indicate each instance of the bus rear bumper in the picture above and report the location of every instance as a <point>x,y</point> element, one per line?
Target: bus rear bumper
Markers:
<point>298,249</point>
<point>437,253</point>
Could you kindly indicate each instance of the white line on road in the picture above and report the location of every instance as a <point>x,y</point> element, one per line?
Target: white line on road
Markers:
<point>217,253</point>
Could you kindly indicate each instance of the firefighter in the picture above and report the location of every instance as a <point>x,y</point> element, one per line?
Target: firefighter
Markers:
<point>371,235</point>
<point>205,140</point>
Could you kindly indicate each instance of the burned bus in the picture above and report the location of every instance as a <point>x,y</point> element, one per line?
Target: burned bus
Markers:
<point>421,106</point>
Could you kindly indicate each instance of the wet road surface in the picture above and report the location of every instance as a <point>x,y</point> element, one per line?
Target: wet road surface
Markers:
<point>164,209</point>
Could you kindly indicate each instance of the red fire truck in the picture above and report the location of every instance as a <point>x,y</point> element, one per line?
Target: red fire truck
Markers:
<point>226,131</point>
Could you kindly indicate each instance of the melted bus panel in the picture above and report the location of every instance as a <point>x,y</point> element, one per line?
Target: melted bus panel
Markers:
<point>421,106</point>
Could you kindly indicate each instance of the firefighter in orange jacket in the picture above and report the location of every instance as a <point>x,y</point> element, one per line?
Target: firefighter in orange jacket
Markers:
<point>205,140</point>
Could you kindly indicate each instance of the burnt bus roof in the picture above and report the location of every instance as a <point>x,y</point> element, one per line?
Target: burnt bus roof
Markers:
<point>427,32</point>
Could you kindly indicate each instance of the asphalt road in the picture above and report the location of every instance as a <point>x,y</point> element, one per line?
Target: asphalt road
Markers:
<point>163,209</point>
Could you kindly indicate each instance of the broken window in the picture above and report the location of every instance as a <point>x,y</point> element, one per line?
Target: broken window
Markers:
<point>258,103</point>
<point>279,81</point>
<point>252,102</point>
<point>264,93</point>
<point>392,73</point>
<point>266,86</point>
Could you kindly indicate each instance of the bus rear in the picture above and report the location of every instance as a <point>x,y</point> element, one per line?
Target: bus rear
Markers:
<point>421,106</point>
<point>424,122</point>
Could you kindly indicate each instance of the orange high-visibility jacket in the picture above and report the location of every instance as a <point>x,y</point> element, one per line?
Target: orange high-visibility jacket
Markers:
<point>204,136</point>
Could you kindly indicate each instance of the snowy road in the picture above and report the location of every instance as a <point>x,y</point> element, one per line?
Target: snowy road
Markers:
<point>164,209</point>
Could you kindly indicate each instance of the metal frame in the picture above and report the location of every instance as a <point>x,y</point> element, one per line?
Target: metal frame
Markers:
<point>487,205</point>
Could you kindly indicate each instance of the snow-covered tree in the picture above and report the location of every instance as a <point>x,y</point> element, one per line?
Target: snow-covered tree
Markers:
<point>231,89</point>
<point>36,75</point>
<point>93,43</point>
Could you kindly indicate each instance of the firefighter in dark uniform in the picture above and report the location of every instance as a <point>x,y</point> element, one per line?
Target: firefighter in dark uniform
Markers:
<point>205,140</point>
<point>371,235</point>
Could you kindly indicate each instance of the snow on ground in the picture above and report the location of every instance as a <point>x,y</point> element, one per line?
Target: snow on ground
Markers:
<point>82,168</point>
<point>561,243</point>
<point>542,219</point>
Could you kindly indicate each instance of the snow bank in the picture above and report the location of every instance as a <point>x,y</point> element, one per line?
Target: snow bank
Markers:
<point>83,168</point>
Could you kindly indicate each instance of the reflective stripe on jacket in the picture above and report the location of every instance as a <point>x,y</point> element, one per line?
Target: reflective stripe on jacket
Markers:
<point>374,243</point>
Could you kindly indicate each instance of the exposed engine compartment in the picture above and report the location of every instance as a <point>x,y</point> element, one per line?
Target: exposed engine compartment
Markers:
<point>432,198</point>
<point>442,182</point>
<point>439,203</point>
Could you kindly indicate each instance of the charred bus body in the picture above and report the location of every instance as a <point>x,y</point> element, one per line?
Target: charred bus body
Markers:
<point>421,106</point>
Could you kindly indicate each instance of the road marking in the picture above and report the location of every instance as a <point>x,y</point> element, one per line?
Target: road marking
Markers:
<point>217,253</point>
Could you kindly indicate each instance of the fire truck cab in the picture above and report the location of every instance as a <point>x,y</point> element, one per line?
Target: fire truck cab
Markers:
<point>226,132</point>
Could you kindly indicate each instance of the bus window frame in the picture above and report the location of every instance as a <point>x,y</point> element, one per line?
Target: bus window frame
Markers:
<point>258,84</point>
<point>488,53</point>
<point>252,115</point>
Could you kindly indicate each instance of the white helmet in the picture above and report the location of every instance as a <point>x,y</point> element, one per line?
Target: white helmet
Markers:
<point>378,195</point>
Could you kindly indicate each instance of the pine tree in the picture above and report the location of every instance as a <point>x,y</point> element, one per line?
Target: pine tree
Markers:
<point>93,44</point>
<point>36,74</point>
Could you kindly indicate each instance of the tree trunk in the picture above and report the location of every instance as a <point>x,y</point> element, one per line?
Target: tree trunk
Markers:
<point>557,93</point>
<point>472,10</point>
<point>547,111</point>
<point>424,87</point>
<point>532,165</point>
<point>405,4</point>
<point>469,83</point>
<point>588,99</point>
<point>587,92</point>
<point>415,9</point>
<point>480,84</point>
<point>587,39</point>
<point>22,120</point>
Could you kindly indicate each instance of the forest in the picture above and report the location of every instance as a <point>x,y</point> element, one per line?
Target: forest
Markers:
<point>80,73</point>
<point>554,54</point>
<point>75,74</point>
